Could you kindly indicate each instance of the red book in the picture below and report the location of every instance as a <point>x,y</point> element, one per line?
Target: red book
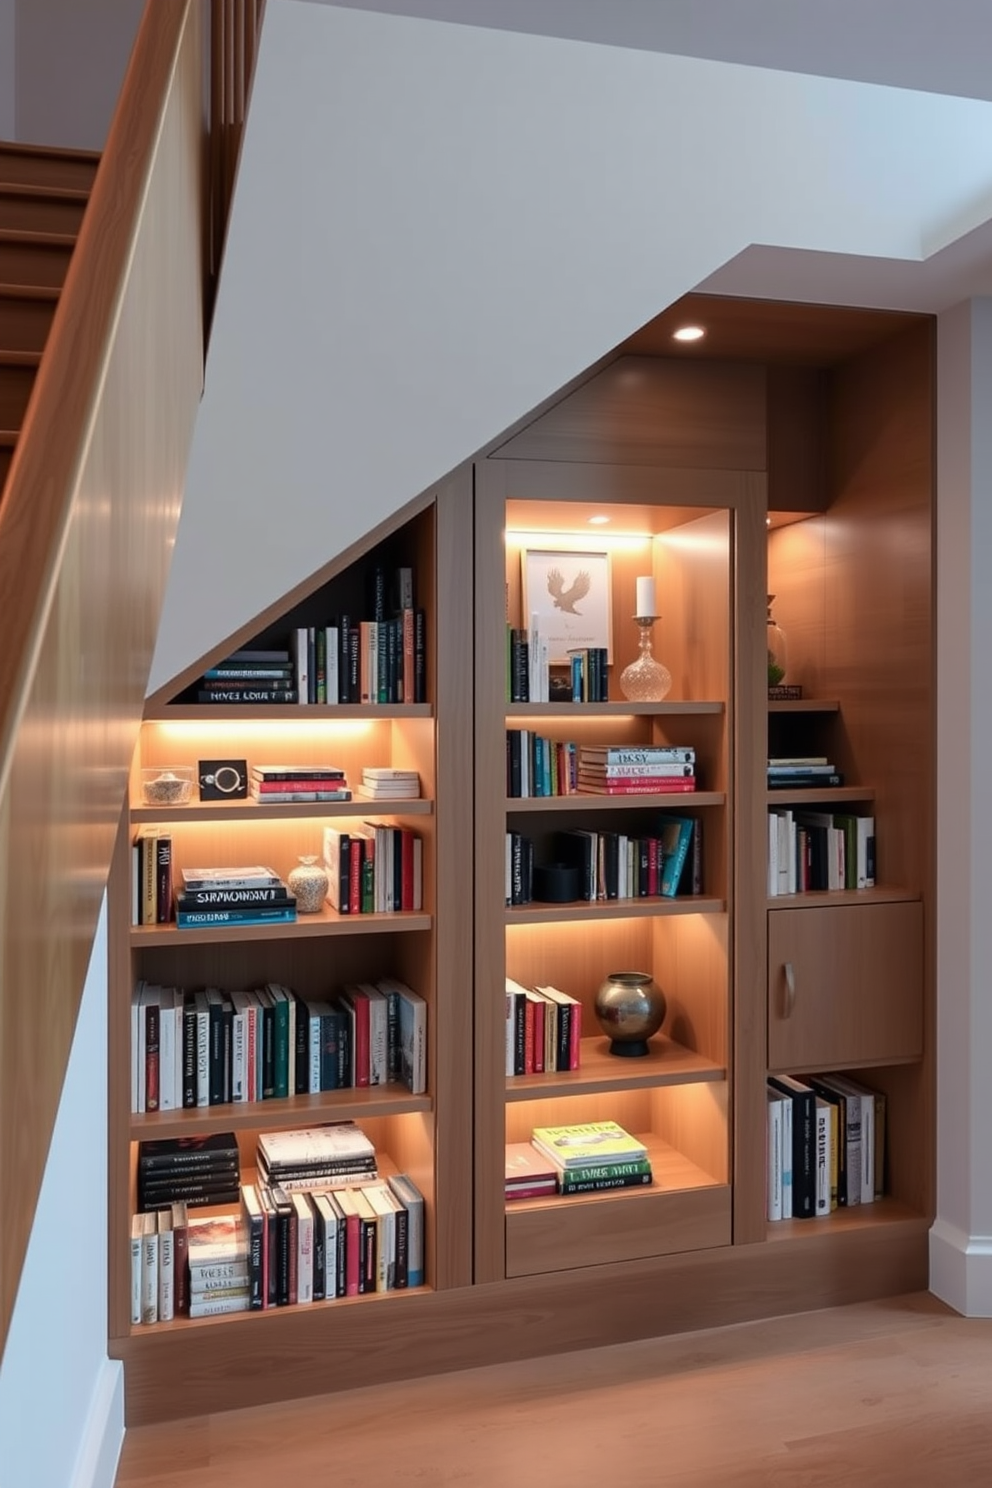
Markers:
<point>180,1258</point>
<point>637,785</point>
<point>355,876</point>
<point>528,1037</point>
<point>360,1004</point>
<point>406,869</point>
<point>533,1191</point>
<point>286,787</point>
<point>652,866</point>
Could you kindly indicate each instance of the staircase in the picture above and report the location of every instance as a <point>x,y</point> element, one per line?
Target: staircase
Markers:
<point>43,194</point>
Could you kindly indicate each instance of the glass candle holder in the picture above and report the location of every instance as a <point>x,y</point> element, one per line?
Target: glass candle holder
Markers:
<point>645,680</point>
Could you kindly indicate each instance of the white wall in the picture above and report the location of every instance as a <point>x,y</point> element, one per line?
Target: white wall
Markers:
<point>437,226</point>
<point>961,1241</point>
<point>61,1399</point>
<point>7,101</point>
<point>71,58</point>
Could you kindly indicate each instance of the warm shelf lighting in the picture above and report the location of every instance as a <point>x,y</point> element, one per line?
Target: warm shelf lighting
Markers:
<point>597,521</point>
<point>689,333</point>
<point>590,541</point>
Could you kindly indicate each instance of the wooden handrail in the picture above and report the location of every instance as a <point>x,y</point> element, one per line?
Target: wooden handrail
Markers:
<point>86,527</point>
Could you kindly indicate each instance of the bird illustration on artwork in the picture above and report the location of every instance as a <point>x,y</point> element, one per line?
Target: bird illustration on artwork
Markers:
<point>566,599</point>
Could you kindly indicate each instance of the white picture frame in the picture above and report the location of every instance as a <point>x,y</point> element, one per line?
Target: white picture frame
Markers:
<point>570,592</point>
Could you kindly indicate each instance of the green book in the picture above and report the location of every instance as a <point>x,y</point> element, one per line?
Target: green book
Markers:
<point>639,1168</point>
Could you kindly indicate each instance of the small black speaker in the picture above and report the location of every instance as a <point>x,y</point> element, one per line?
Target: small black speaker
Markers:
<point>556,883</point>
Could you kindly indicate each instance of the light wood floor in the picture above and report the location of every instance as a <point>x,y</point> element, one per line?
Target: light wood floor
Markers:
<point>893,1392</point>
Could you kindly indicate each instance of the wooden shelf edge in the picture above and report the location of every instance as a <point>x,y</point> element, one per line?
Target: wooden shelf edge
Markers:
<point>803,705</point>
<point>673,800</point>
<point>817,794</point>
<point>614,909</point>
<point>306,927</point>
<point>612,710</point>
<point>280,1114</point>
<point>882,1214</point>
<point>218,811</point>
<point>822,898</point>
<point>666,1063</point>
<point>286,713</point>
<point>151,1334</point>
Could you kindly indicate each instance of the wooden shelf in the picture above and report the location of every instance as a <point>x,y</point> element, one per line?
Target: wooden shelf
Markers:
<point>666,1063</point>
<point>670,1170</point>
<point>883,894</point>
<point>612,710</point>
<point>229,811</point>
<point>803,705</point>
<point>672,800</point>
<point>148,1335</point>
<point>613,909</point>
<point>286,713</point>
<point>823,794</point>
<point>845,1221</point>
<point>327,922</point>
<point>279,1115</point>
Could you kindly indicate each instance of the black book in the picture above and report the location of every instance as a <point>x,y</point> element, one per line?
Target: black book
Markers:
<point>402,1248</point>
<point>169,1154</point>
<point>344,659</point>
<point>803,1099</point>
<point>513,763</point>
<point>256,1222</point>
<point>419,656</point>
<point>354,664</point>
<point>377,593</point>
<point>215,1047</point>
<point>798,781</point>
<point>577,850</point>
<point>267,1203</point>
<point>300,1082</point>
<point>270,684</point>
<point>519,667</point>
<point>207,1187</point>
<point>611,864</point>
<point>848,1184</point>
<point>394,653</point>
<point>382,662</point>
<point>285,1259</point>
<point>268,1034</point>
<point>226,1196</point>
<point>233,898</point>
<point>319,1256</point>
<point>343,1026</point>
<point>246,695</point>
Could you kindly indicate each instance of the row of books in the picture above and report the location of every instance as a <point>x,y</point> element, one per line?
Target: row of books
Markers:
<point>802,772</point>
<point>198,1170</point>
<point>529,674</point>
<point>211,1047</point>
<point>282,1249</point>
<point>273,785</point>
<point>665,861</point>
<point>819,850</point>
<point>543,1030</point>
<point>826,1145</point>
<point>249,895</point>
<point>587,1157</point>
<point>541,766</point>
<point>374,868</point>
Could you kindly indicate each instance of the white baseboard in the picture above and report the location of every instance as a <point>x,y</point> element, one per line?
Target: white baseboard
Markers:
<point>103,1437</point>
<point>961,1269</point>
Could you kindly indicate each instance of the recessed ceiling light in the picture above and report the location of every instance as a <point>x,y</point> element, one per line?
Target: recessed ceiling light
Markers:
<point>597,521</point>
<point>688,333</point>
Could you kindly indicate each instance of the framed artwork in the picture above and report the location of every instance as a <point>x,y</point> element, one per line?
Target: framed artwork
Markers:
<point>570,593</point>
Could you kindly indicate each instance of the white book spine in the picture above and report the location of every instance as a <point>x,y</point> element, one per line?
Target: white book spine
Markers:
<point>202,1056</point>
<point>774,1193</point>
<point>786,1159</point>
<point>823,1157</point>
<point>313,1051</point>
<point>304,1250</point>
<point>149,1276</point>
<point>867,1149</point>
<point>166,1276</point>
<point>772,855</point>
<point>301,659</point>
<point>239,1088</point>
<point>332,663</point>
<point>136,1263</point>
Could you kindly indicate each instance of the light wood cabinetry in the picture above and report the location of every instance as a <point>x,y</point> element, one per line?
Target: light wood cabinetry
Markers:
<point>800,465</point>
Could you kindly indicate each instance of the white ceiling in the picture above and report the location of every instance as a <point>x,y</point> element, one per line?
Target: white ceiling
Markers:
<point>935,46</point>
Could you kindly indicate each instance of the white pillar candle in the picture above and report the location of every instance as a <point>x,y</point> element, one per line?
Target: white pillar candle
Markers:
<point>645,597</point>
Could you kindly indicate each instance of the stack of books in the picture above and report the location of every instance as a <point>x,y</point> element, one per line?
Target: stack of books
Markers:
<point>198,1170</point>
<point>253,894</point>
<point>218,1265</point>
<point>250,676</point>
<point>272,785</point>
<point>543,1030</point>
<point>621,770</point>
<point>802,772</point>
<point>383,783</point>
<point>529,1175</point>
<point>338,1155</point>
<point>594,1156</point>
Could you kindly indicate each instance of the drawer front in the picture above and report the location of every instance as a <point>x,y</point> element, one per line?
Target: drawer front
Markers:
<point>845,985</point>
<point>596,1229</point>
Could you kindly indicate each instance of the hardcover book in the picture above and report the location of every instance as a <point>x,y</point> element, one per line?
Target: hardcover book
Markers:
<point>587,1144</point>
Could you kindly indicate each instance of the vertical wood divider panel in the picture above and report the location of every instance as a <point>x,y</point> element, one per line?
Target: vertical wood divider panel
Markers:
<point>490,857</point>
<point>749,746</point>
<point>88,517</point>
<point>453,911</point>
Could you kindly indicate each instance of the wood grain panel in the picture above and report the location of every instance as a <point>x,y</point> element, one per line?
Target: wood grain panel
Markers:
<point>858,978</point>
<point>348,1344</point>
<point>599,1229</point>
<point>797,477</point>
<point>85,532</point>
<point>648,411</point>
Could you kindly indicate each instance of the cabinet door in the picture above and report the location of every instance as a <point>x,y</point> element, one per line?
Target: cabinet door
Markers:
<point>845,985</point>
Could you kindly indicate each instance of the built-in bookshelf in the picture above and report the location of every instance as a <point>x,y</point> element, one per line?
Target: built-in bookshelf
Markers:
<point>799,464</point>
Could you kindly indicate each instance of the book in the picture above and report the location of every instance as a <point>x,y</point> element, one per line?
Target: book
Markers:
<point>260,914</point>
<point>775,1102</point>
<point>253,877</point>
<point>639,786</point>
<point>213,1238</point>
<point>600,1183</point>
<point>412,1200</point>
<point>675,835</point>
<point>622,754</point>
<point>526,1167</point>
<point>226,898</point>
<point>408,1057</point>
<point>588,1143</point>
<point>313,1144</point>
<point>803,1101</point>
<point>247,695</point>
<point>237,1301</point>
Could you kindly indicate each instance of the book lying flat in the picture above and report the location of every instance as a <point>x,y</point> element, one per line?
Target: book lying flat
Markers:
<point>588,1144</point>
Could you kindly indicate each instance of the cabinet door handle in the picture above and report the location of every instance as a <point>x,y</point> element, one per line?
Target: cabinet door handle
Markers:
<point>790,989</point>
